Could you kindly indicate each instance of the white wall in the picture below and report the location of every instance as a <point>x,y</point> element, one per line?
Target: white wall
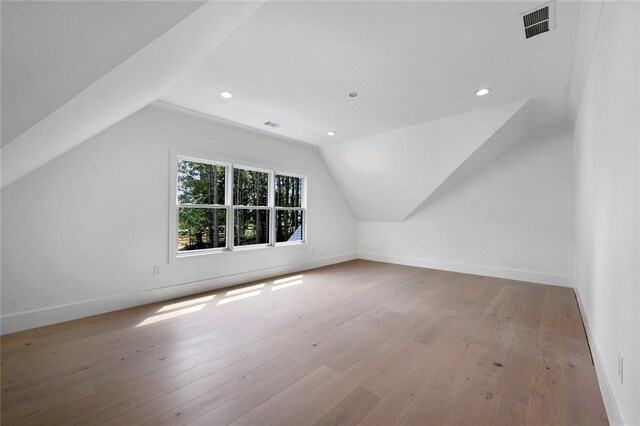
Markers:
<point>82,233</point>
<point>607,141</point>
<point>512,217</point>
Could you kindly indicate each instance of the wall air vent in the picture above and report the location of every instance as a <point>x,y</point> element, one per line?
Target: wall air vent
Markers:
<point>538,20</point>
<point>272,124</point>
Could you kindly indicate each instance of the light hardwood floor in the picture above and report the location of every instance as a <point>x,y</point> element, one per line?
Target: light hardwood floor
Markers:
<point>355,343</point>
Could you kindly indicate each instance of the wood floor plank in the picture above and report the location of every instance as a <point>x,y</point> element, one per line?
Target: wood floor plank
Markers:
<point>272,409</point>
<point>237,407</point>
<point>339,387</point>
<point>393,370</point>
<point>586,406</point>
<point>350,410</point>
<point>357,342</point>
<point>475,397</point>
<point>430,409</point>
<point>31,403</point>
<point>457,368</point>
<point>393,407</point>
<point>507,411</point>
<point>143,357</point>
<point>204,397</point>
<point>548,403</point>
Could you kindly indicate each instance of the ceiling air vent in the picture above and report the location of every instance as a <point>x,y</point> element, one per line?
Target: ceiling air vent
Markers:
<point>272,124</point>
<point>538,20</point>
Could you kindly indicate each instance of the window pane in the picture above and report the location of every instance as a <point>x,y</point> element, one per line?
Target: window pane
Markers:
<point>250,188</point>
<point>251,227</point>
<point>289,225</point>
<point>288,191</point>
<point>200,228</point>
<point>200,183</point>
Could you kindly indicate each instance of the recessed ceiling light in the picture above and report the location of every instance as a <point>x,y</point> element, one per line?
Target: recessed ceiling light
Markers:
<point>483,92</point>
<point>331,133</point>
<point>353,95</point>
<point>226,95</point>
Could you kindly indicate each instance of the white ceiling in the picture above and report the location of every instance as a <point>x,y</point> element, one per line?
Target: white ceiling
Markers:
<point>410,62</point>
<point>52,50</point>
<point>71,69</point>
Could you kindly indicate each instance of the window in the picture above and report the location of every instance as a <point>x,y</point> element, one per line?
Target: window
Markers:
<point>222,207</point>
<point>250,207</point>
<point>288,206</point>
<point>202,214</point>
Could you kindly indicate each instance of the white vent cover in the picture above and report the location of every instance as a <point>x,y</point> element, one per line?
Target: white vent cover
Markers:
<point>539,20</point>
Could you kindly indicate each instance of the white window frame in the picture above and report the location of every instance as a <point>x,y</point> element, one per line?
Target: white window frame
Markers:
<point>173,215</point>
<point>176,256</point>
<point>302,208</point>
<point>268,207</point>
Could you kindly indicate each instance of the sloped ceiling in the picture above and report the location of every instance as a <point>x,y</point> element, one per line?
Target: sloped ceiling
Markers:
<point>52,50</point>
<point>385,177</point>
<point>415,66</point>
<point>133,84</point>
<point>523,122</point>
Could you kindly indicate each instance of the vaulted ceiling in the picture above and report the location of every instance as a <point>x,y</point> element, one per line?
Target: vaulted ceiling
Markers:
<point>52,50</point>
<point>120,91</point>
<point>71,69</point>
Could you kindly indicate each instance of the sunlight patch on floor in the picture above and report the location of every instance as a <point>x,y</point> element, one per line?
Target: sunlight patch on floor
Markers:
<point>286,280</point>
<point>239,297</point>
<point>178,309</point>
<point>172,314</point>
<point>178,305</point>
<point>286,285</point>
<point>245,289</point>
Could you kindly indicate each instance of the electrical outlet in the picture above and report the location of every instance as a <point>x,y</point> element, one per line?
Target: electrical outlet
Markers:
<point>621,368</point>
<point>157,270</point>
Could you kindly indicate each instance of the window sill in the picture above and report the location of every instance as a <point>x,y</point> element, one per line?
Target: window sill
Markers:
<point>205,255</point>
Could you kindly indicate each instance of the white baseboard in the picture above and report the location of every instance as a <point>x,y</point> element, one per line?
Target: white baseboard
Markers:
<point>489,271</point>
<point>611,404</point>
<point>30,319</point>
